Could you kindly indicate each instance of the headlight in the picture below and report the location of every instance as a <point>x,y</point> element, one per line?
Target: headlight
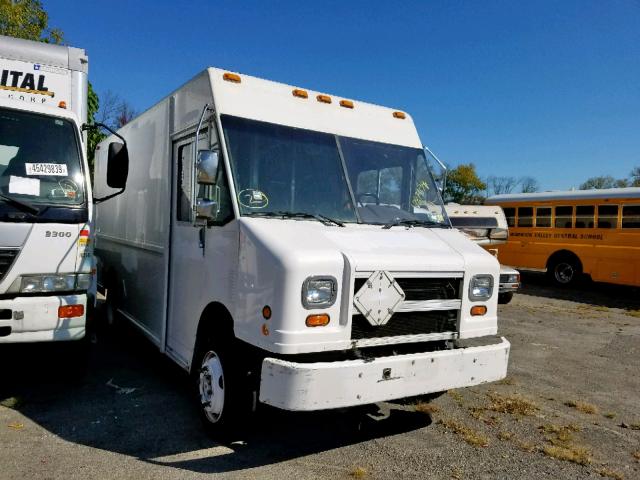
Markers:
<point>510,278</point>
<point>65,282</point>
<point>318,292</point>
<point>481,287</point>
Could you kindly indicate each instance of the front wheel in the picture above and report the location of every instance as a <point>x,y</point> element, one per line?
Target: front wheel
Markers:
<point>504,298</point>
<point>222,398</point>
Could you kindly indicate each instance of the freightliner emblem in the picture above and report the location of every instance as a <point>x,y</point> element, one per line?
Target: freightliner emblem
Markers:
<point>378,298</point>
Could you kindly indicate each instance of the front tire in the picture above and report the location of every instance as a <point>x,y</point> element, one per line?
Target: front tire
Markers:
<point>504,298</point>
<point>220,391</point>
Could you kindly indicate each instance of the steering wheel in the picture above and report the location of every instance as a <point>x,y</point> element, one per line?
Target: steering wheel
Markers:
<point>367,194</point>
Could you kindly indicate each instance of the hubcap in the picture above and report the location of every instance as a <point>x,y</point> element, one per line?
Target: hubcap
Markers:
<point>211,385</point>
<point>564,272</point>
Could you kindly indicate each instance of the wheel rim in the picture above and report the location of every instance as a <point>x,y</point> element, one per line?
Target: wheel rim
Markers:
<point>564,272</point>
<point>211,386</point>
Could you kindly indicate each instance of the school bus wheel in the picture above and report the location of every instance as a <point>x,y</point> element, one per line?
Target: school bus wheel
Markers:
<point>564,268</point>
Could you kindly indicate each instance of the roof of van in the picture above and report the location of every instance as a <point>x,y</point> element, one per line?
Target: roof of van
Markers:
<point>45,53</point>
<point>628,192</point>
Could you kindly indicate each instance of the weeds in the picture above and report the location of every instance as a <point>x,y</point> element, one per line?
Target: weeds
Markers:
<point>508,380</point>
<point>472,437</point>
<point>502,435</point>
<point>358,472</point>
<point>457,397</point>
<point>583,407</point>
<point>571,453</point>
<point>428,408</point>
<point>607,472</point>
<point>636,455</point>
<point>512,404</point>
<point>610,415</point>
<point>11,402</point>
<point>456,473</point>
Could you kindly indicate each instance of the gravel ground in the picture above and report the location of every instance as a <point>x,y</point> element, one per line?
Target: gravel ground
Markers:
<point>568,409</point>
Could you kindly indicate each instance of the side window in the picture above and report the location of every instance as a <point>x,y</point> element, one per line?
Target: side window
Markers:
<point>510,213</point>
<point>631,216</point>
<point>584,216</point>
<point>525,216</point>
<point>607,216</point>
<point>564,217</point>
<point>183,179</point>
<point>543,217</point>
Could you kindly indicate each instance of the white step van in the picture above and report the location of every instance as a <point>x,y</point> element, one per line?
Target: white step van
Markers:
<point>291,247</point>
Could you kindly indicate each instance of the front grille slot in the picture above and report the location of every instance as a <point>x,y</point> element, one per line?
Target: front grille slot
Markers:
<point>419,289</point>
<point>406,323</point>
<point>6,314</point>
<point>7,256</point>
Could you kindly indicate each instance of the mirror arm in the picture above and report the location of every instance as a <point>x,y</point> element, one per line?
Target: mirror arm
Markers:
<point>97,125</point>
<point>102,199</point>
<point>194,195</point>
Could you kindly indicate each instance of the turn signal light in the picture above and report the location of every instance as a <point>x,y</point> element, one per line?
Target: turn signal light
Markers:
<point>62,105</point>
<point>317,320</point>
<point>70,311</point>
<point>346,103</point>
<point>232,77</point>
<point>324,98</point>
<point>300,93</point>
<point>478,310</point>
<point>400,115</point>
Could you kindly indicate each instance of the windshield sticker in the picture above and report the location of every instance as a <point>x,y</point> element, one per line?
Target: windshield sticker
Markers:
<point>24,186</point>
<point>57,169</point>
<point>251,198</point>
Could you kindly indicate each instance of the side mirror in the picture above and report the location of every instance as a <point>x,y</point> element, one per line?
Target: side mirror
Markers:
<point>208,208</point>
<point>117,165</point>
<point>207,166</point>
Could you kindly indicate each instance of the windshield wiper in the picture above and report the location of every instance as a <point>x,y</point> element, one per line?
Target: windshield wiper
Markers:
<point>19,204</point>
<point>281,214</point>
<point>412,223</point>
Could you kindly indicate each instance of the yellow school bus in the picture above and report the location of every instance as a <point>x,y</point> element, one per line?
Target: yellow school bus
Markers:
<point>596,232</point>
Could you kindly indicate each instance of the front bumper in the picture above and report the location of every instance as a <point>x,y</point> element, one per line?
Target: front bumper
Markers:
<point>508,287</point>
<point>325,385</point>
<point>35,319</point>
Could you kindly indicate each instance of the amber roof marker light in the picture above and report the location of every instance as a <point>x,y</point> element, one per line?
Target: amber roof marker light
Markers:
<point>324,98</point>
<point>400,115</point>
<point>297,92</point>
<point>232,77</point>
<point>346,103</point>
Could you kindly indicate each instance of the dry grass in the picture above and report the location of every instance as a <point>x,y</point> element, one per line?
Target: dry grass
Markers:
<point>524,445</point>
<point>635,426</point>
<point>611,415</point>
<point>512,404</point>
<point>469,435</point>
<point>358,472</point>
<point>559,435</point>
<point>607,472</point>
<point>636,455</point>
<point>425,407</point>
<point>456,473</point>
<point>457,397</point>
<point>11,402</point>
<point>571,453</point>
<point>583,407</point>
<point>633,313</point>
<point>508,380</point>
<point>502,435</point>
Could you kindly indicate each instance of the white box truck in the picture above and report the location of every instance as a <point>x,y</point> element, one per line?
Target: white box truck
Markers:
<point>291,247</point>
<point>46,251</point>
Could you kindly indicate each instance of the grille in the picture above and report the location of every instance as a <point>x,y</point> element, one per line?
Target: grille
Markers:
<point>7,256</point>
<point>406,323</point>
<point>423,288</point>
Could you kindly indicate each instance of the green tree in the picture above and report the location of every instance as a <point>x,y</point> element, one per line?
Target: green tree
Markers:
<point>463,184</point>
<point>27,19</point>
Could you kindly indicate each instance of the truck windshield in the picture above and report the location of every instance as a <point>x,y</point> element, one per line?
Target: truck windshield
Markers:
<point>279,169</point>
<point>40,159</point>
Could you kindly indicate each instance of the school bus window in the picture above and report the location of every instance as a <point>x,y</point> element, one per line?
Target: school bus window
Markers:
<point>584,216</point>
<point>525,216</point>
<point>543,217</point>
<point>510,213</point>
<point>631,216</point>
<point>564,217</point>
<point>607,216</point>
